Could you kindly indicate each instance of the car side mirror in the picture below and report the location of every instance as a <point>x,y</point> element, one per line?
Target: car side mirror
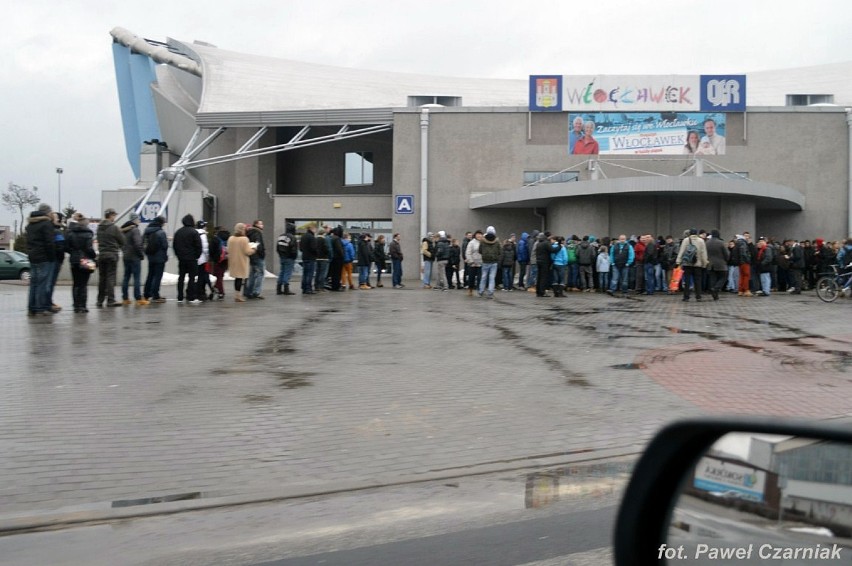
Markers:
<point>745,491</point>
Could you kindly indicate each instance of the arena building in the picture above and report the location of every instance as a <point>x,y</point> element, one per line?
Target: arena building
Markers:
<point>232,137</point>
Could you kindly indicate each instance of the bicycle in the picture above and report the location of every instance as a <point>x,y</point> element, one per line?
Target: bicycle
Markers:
<point>830,286</point>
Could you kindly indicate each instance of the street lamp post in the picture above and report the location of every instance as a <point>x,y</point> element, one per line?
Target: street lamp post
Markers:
<point>59,187</point>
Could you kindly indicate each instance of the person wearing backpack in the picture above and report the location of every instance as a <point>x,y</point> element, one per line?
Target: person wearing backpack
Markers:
<point>692,257</point>
<point>157,252</point>
<point>621,257</point>
<point>287,247</point>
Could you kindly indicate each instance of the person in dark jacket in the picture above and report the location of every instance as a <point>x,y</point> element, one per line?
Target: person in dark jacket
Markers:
<point>41,248</point>
<point>395,251</point>
<point>78,240</point>
<point>132,255</point>
<point>717,254</point>
<point>543,248</point>
<point>508,256</point>
<point>765,260</point>
<point>59,245</point>
<point>796,257</point>
<point>490,249</point>
<point>308,245</point>
<point>288,250</point>
<point>110,242</point>
<point>187,246</point>
<point>453,265</point>
<point>441,257</point>
<point>257,262</point>
<point>586,257</point>
<point>323,264</point>
<point>335,261</point>
<point>364,256</point>
<point>380,258</point>
<point>156,245</point>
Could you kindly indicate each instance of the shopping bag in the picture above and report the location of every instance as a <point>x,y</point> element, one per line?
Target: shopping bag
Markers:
<point>677,275</point>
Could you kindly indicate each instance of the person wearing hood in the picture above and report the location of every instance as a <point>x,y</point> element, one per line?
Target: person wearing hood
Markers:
<point>187,247</point>
<point>156,246</point>
<point>523,260</point>
<point>473,262</point>
<point>288,250</point>
<point>586,256</point>
<point>202,282</point>
<point>78,239</point>
<point>490,250</point>
<point>692,257</point>
<point>41,248</point>
<point>132,254</point>
<point>365,258</point>
<point>110,243</point>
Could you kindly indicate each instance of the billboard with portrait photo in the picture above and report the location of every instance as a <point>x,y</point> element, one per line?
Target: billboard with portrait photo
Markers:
<point>647,133</point>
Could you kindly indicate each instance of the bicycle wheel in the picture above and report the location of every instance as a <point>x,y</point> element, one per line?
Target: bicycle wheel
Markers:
<point>827,289</point>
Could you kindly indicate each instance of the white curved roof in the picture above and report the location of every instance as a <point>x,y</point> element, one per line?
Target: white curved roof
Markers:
<point>237,82</point>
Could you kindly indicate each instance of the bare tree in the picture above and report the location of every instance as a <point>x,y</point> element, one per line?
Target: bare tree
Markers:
<point>17,198</point>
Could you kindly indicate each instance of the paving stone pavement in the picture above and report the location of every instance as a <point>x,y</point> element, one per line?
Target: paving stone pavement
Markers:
<point>314,393</point>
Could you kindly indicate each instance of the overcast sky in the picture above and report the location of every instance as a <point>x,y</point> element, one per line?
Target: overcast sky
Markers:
<point>59,102</point>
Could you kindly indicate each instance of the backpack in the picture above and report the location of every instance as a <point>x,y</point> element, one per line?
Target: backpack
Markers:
<point>620,254</point>
<point>689,254</point>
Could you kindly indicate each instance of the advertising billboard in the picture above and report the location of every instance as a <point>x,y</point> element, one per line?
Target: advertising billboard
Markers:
<point>646,133</point>
<point>638,93</point>
<point>729,480</point>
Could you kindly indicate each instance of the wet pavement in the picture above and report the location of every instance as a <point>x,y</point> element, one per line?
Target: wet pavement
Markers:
<point>140,410</point>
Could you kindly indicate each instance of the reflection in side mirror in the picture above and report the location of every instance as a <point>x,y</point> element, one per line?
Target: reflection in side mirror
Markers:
<point>756,497</point>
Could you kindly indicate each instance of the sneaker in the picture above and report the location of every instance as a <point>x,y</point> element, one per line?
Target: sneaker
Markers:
<point>401,285</point>
<point>55,308</point>
<point>114,304</point>
<point>142,302</point>
<point>379,285</point>
<point>126,302</point>
<point>195,302</point>
<point>159,300</point>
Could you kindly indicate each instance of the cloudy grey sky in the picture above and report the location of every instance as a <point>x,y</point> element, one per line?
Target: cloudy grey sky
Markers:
<point>59,104</point>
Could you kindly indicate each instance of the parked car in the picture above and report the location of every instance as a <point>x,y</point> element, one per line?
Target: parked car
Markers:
<point>14,265</point>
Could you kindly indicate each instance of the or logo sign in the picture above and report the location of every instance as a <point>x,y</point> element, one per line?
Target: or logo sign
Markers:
<point>150,211</point>
<point>405,204</point>
<point>726,93</point>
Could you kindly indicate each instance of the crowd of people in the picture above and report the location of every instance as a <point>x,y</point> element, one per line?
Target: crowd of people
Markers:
<point>550,265</point>
<point>544,263</point>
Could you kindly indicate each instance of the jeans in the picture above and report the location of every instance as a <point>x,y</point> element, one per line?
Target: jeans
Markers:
<point>53,277</point>
<point>557,276</point>
<point>533,278</point>
<point>733,277</point>
<point>507,278</point>
<point>396,275</point>
<point>522,271</point>
<point>660,283</point>
<point>321,267</point>
<point>39,293</point>
<point>427,273</point>
<point>586,278</point>
<point>650,278</point>
<point>487,280</point>
<point>155,276</point>
<point>363,274</point>
<point>603,280</point>
<point>254,282</point>
<point>308,267</point>
<point>286,270</point>
<point>473,274</point>
<point>619,278</point>
<point>108,267</point>
<point>132,268</point>
<point>573,273</point>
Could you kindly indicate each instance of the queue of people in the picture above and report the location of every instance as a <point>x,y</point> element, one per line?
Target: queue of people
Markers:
<point>547,264</point>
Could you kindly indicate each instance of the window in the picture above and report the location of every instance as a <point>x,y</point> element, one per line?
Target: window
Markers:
<point>542,177</point>
<point>432,99</point>
<point>359,168</point>
<point>808,99</point>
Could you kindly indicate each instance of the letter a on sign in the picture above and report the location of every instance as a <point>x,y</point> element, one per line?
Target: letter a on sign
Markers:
<point>405,204</point>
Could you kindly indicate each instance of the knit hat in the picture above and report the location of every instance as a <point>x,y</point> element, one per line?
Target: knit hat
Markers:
<point>490,230</point>
<point>44,207</point>
<point>442,234</point>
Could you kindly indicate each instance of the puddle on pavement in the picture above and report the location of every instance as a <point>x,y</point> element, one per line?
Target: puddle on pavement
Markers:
<point>257,399</point>
<point>579,381</point>
<point>576,482</point>
<point>293,380</point>
<point>158,499</point>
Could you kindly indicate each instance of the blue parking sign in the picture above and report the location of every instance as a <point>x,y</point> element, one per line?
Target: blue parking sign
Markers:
<point>405,204</point>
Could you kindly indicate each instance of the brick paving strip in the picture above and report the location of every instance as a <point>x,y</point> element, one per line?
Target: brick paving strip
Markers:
<point>229,403</point>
